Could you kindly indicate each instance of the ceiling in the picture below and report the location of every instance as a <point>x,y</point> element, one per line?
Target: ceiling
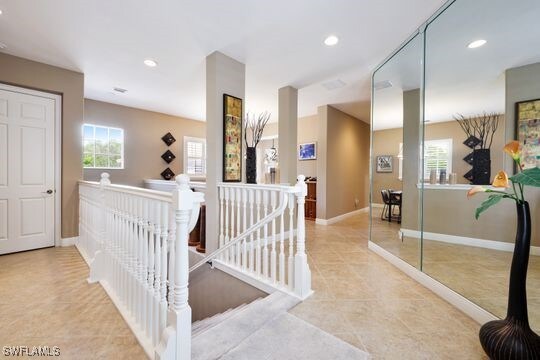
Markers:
<point>280,41</point>
<point>459,80</point>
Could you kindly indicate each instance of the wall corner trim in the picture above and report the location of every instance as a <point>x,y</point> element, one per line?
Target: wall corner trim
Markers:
<point>340,217</point>
<point>68,241</point>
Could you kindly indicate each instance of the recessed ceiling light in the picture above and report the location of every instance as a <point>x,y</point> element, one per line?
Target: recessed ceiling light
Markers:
<point>331,40</point>
<point>120,90</point>
<point>476,44</point>
<point>150,63</point>
<point>1,12</point>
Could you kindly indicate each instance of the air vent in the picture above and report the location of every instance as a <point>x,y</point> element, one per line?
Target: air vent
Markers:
<point>334,84</point>
<point>3,46</point>
<point>120,90</point>
<point>379,85</point>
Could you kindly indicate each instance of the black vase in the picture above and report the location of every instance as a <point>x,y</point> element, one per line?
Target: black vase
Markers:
<point>481,167</point>
<point>512,338</point>
<point>251,165</point>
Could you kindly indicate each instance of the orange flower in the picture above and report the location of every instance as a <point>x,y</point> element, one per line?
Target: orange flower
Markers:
<point>512,148</point>
<point>474,190</point>
<point>501,180</point>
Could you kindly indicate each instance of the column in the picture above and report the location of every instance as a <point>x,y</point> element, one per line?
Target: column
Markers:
<point>224,75</point>
<point>287,130</point>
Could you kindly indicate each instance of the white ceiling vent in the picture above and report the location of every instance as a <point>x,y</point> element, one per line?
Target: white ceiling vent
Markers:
<point>333,85</point>
<point>2,46</point>
<point>379,85</point>
<point>120,90</point>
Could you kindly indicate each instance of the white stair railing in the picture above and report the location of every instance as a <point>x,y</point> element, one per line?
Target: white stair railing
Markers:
<point>135,241</point>
<point>262,234</point>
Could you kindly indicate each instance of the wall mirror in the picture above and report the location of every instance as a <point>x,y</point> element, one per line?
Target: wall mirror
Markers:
<point>475,61</point>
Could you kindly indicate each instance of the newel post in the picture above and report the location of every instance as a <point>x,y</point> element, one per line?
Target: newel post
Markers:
<point>302,273</point>
<point>97,264</point>
<point>177,337</point>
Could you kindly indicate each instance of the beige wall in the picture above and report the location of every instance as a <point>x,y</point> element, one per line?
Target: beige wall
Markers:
<point>307,132</point>
<point>70,85</point>
<point>386,142</point>
<point>344,160</point>
<point>143,145</point>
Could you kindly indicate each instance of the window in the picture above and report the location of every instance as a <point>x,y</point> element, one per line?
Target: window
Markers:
<point>103,147</point>
<point>194,156</point>
<point>437,156</point>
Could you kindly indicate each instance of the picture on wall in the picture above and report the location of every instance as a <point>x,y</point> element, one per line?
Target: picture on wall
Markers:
<point>307,151</point>
<point>528,131</point>
<point>232,138</point>
<point>384,163</point>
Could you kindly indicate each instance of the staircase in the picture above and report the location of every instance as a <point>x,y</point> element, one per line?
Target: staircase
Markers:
<point>264,329</point>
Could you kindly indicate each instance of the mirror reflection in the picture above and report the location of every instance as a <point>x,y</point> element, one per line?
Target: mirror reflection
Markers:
<point>473,75</point>
<point>396,117</point>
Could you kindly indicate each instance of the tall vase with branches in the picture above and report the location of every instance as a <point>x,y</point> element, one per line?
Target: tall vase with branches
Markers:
<point>254,126</point>
<point>483,128</point>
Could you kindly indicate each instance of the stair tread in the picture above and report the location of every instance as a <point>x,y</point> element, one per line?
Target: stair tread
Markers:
<point>228,334</point>
<point>205,324</point>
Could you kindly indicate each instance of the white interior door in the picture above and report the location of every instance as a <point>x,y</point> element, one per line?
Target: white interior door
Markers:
<point>27,168</point>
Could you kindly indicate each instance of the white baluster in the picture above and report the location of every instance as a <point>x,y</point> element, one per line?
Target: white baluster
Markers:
<point>157,277</point>
<point>251,236</point>
<point>302,281</point>
<point>225,254</point>
<point>290,265</point>
<point>265,205</point>
<point>244,220</point>
<point>282,244</point>
<point>221,217</point>
<point>165,210</point>
<point>258,200</point>
<point>273,269</point>
<point>232,233</point>
<point>238,224</point>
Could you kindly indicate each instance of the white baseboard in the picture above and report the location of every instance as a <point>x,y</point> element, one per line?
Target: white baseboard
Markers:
<point>462,240</point>
<point>377,205</point>
<point>68,241</point>
<point>84,255</point>
<point>468,307</point>
<point>340,217</point>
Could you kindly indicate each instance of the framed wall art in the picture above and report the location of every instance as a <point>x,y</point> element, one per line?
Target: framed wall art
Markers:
<point>232,138</point>
<point>384,163</point>
<point>307,151</point>
<point>528,131</point>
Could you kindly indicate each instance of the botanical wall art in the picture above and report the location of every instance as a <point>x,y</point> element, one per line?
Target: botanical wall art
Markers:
<point>307,151</point>
<point>232,138</point>
<point>528,131</point>
<point>384,163</point>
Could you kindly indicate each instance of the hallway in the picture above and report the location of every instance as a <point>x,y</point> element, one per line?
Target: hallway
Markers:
<point>359,297</point>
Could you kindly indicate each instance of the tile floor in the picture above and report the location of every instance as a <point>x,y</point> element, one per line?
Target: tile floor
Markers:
<point>372,305</point>
<point>45,300</point>
<point>479,274</point>
<point>359,298</point>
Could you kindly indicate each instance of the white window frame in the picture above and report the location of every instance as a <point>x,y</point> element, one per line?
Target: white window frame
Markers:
<point>449,144</point>
<point>121,152</point>
<point>198,140</point>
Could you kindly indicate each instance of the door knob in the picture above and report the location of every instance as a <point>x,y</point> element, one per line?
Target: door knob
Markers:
<point>48,192</point>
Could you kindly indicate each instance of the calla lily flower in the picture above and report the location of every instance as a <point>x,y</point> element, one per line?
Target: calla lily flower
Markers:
<point>501,180</point>
<point>512,148</point>
<point>475,190</point>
